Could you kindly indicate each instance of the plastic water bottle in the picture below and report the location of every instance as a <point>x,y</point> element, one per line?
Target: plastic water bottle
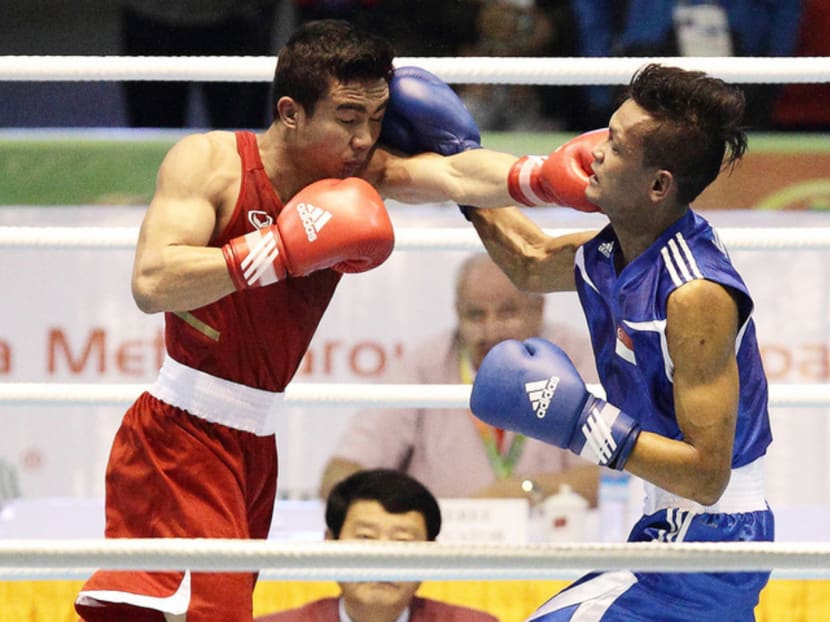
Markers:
<point>614,505</point>
<point>564,516</point>
<point>535,516</point>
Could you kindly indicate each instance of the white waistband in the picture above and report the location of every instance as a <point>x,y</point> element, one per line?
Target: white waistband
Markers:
<point>744,493</point>
<point>215,399</point>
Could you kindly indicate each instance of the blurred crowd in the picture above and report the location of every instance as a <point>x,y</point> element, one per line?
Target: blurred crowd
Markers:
<point>558,28</point>
<point>516,28</point>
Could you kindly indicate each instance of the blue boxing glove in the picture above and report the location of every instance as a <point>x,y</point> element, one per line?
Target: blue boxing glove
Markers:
<point>425,114</point>
<point>533,388</point>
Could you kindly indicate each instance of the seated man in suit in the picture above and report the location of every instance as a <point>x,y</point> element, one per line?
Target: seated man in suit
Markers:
<point>380,504</point>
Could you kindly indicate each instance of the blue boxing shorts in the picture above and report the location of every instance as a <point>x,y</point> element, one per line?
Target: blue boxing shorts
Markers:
<point>623,595</point>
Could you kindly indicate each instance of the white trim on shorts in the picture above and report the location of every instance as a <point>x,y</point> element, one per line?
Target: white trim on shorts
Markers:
<point>744,493</point>
<point>594,597</point>
<point>217,400</point>
<point>175,604</point>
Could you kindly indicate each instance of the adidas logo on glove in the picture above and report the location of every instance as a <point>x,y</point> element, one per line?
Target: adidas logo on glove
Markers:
<point>313,218</point>
<point>606,248</point>
<point>540,394</point>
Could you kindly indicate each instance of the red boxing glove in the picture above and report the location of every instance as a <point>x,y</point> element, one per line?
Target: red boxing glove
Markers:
<point>560,178</point>
<point>333,223</point>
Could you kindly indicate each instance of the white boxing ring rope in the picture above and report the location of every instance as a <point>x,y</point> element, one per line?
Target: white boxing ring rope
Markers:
<point>393,561</point>
<point>406,239</point>
<point>455,70</point>
<point>334,395</point>
<point>399,561</point>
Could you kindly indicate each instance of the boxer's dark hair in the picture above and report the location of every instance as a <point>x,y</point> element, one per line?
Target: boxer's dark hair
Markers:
<point>396,491</point>
<point>328,49</point>
<point>696,129</point>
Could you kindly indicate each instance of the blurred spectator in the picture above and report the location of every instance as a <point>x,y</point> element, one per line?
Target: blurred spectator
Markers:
<point>518,28</point>
<point>380,505</point>
<point>477,28</point>
<point>308,10</point>
<point>685,28</point>
<point>198,28</point>
<point>422,28</point>
<point>763,28</point>
<point>806,107</point>
<point>450,451</point>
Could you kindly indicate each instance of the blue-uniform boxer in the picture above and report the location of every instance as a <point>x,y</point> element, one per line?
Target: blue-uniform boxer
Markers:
<point>626,318</point>
<point>675,346</point>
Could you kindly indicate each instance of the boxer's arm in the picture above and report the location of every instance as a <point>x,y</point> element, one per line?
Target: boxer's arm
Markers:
<point>476,177</point>
<point>701,328</point>
<point>173,269</point>
<point>532,259</point>
<point>486,178</point>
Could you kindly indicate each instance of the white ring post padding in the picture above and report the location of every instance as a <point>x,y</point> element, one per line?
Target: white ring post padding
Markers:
<point>410,561</point>
<point>455,70</point>
<point>311,395</point>
<point>406,239</point>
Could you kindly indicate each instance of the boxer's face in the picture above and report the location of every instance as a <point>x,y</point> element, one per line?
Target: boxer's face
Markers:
<point>368,520</point>
<point>621,183</point>
<point>336,139</point>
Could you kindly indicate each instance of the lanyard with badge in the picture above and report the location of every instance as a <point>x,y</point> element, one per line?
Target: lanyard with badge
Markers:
<point>503,463</point>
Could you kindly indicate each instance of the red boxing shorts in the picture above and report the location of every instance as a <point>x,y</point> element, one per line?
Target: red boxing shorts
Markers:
<point>174,475</point>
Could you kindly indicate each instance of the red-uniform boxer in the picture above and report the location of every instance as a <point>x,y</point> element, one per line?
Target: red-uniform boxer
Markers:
<point>242,247</point>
